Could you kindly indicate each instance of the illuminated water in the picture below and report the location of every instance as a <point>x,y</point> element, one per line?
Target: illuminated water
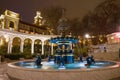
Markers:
<point>75,65</point>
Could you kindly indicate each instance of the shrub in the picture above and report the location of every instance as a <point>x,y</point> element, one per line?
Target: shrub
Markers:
<point>14,56</point>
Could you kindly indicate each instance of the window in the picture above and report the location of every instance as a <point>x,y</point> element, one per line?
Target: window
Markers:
<point>11,25</point>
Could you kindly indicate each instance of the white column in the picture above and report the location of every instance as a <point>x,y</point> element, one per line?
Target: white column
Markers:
<point>42,47</point>
<point>22,46</point>
<point>8,50</point>
<point>32,47</point>
<point>10,46</point>
<point>51,48</point>
<point>3,24</point>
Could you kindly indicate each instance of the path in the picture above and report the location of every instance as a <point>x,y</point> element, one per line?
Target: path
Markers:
<point>3,70</point>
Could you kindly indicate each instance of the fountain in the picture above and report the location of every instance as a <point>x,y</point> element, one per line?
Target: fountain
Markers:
<point>29,70</point>
<point>64,52</point>
<point>63,67</point>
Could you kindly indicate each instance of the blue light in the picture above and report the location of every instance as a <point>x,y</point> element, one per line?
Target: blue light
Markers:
<point>75,65</point>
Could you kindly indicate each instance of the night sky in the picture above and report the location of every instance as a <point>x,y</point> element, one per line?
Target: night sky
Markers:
<point>27,8</point>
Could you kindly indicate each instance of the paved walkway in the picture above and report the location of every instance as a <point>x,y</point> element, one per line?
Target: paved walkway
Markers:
<point>3,70</point>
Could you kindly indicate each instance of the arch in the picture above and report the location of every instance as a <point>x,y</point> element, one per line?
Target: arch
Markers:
<point>2,40</point>
<point>27,45</point>
<point>11,24</point>
<point>3,44</point>
<point>38,46</point>
<point>16,45</point>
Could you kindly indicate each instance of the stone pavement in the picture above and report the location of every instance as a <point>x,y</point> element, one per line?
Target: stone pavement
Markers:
<point>3,70</point>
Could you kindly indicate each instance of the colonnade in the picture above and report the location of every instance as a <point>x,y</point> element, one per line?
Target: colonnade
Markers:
<point>13,34</point>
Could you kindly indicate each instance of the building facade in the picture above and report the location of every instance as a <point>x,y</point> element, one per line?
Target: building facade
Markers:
<point>12,27</point>
<point>113,38</point>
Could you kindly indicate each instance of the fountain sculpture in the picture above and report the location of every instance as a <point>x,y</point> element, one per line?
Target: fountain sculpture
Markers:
<point>64,51</point>
<point>38,60</point>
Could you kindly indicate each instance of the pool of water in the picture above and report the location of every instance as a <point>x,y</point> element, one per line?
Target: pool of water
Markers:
<point>75,65</point>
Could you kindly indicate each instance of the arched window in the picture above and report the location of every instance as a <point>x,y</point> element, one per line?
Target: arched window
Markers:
<point>11,25</point>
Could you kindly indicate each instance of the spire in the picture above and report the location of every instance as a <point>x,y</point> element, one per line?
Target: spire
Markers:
<point>38,19</point>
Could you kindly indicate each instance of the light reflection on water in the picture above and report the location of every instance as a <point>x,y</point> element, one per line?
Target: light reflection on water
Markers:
<point>75,65</point>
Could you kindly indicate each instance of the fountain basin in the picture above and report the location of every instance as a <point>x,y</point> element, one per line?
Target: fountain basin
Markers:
<point>104,73</point>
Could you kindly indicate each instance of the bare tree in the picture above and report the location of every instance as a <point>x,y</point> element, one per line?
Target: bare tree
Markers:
<point>104,19</point>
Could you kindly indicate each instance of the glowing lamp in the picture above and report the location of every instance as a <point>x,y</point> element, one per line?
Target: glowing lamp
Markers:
<point>87,36</point>
<point>6,38</point>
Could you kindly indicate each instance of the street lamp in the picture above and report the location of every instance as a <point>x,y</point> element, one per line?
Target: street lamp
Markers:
<point>87,36</point>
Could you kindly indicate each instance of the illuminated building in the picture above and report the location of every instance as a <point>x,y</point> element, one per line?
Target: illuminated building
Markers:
<point>11,27</point>
<point>113,38</point>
